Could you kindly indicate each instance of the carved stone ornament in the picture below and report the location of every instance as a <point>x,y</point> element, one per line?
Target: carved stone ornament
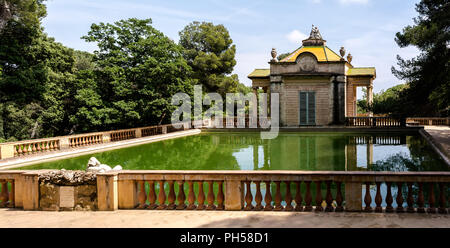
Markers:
<point>307,62</point>
<point>342,51</point>
<point>349,57</point>
<point>274,55</point>
<point>315,38</point>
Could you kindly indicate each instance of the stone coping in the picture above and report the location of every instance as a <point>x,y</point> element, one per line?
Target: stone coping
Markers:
<point>47,157</point>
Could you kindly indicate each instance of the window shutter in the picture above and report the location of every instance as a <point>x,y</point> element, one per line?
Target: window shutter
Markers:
<point>303,107</point>
<point>311,108</point>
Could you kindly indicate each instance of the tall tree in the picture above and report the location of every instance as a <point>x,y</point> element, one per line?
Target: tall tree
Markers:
<point>210,51</point>
<point>428,75</point>
<point>35,73</point>
<point>139,69</point>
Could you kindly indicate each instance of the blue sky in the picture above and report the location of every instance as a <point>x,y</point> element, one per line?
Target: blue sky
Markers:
<point>366,28</point>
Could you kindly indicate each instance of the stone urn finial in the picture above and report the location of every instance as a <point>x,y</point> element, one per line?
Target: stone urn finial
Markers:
<point>342,51</point>
<point>274,55</point>
<point>349,58</point>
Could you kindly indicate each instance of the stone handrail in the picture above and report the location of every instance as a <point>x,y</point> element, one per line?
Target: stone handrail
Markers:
<point>232,190</point>
<point>428,121</point>
<point>35,146</point>
<point>355,121</point>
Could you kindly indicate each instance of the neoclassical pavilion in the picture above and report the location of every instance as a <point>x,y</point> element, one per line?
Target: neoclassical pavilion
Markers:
<point>316,86</point>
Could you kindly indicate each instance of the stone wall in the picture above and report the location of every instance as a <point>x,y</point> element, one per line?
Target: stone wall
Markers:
<point>67,191</point>
<point>289,101</point>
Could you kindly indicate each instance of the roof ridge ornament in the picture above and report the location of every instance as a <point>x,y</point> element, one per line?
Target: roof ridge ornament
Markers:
<point>315,38</point>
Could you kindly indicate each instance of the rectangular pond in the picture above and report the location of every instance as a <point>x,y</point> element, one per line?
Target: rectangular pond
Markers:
<point>289,151</point>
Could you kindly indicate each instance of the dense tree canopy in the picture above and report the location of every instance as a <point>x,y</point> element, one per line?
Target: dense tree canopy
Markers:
<point>209,50</point>
<point>428,75</point>
<point>139,69</point>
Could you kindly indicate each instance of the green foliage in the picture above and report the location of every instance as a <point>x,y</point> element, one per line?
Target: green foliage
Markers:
<point>385,102</point>
<point>428,74</point>
<point>208,49</point>
<point>47,89</point>
<point>139,69</point>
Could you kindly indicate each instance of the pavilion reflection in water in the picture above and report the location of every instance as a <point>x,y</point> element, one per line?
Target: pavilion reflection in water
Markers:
<point>311,152</point>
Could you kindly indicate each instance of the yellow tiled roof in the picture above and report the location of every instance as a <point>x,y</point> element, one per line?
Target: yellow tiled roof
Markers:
<point>322,53</point>
<point>257,73</point>
<point>362,71</point>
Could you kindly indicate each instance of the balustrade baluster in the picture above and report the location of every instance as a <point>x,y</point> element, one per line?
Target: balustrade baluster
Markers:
<point>38,147</point>
<point>268,197</point>
<point>191,196</point>
<point>288,197</point>
<point>389,198</point>
<point>367,198</point>
<point>181,196</point>
<point>11,195</point>
<point>152,195</point>
<point>431,200</point>
<point>161,196</point>
<point>4,195</point>
<point>258,196</point>
<point>171,198</point>
<point>142,196</point>
<point>34,148</point>
<point>410,199</point>
<point>339,198</point>
<point>248,197</point>
<point>211,196</point>
<point>420,199</point>
<point>278,199</point>
<point>442,202</point>
<point>220,196</point>
<point>319,198</point>
<point>19,151</point>
<point>298,197</point>
<point>308,197</point>
<point>51,145</point>
<point>399,199</point>
<point>201,196</point>
<point>29,148</point>
<point>329,198</point>
<point>378,198</point>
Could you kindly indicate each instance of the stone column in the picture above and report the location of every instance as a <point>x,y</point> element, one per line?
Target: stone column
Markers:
<point>265,110</point>
<point>7,151</point>
<point>107,193</point>
<point>353,196</point>
<point>30,191</point>
<point>370,97</point>
<point>128,195</point>
<point>234,192</point>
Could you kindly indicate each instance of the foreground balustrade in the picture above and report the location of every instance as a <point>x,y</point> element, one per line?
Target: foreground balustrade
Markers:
<point>421,192</point>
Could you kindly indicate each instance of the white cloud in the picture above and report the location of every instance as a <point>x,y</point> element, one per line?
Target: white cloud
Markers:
<point>354,1</point>
<point>296,36</point>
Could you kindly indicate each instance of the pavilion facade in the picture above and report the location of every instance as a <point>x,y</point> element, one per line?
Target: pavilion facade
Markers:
<point>316,86</point>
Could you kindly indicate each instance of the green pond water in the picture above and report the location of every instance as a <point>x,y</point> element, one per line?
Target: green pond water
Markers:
<point>289,151</point>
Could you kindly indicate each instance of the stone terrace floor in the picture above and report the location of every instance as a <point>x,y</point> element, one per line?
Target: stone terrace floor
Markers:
<point>199,219</point>
<point>441,135</point>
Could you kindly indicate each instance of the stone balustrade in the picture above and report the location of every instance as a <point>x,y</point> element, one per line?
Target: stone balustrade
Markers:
<point>374,122</point>
<point>428,121</point>
<point>419,192</point>
<point>246,122</point>
<point>29,147</point>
